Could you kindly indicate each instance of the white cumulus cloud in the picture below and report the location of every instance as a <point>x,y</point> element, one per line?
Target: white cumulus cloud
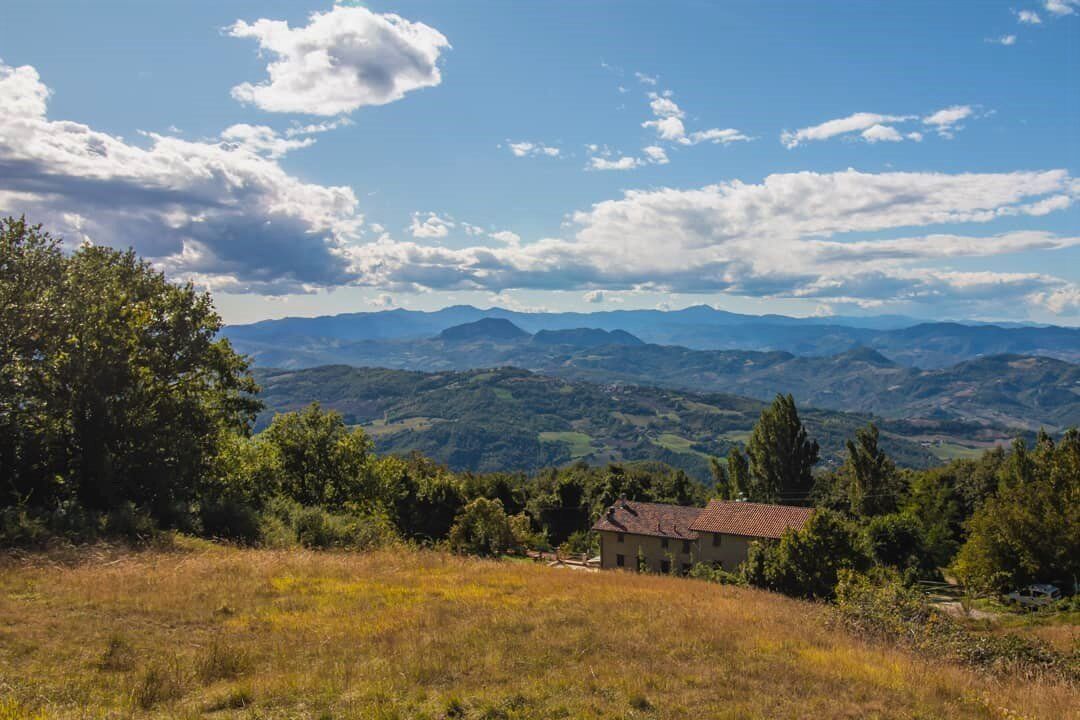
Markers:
<point>524,148</point>
<point>430,226</point>
<point>797,235</point>
<point>874,128</point>
<point>947,120</point>
<point>343,59</point>
<point>1061,7</point>
<point>858,122</point>
<point>221,212</point>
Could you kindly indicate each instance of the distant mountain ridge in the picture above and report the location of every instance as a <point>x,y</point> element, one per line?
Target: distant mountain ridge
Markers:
<point>987,398</point>
<point>508,419</point>
<point>483,329</point>
<point>314,341</point>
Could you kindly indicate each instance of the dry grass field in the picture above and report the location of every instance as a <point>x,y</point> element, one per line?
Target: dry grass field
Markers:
<point>205,631</point>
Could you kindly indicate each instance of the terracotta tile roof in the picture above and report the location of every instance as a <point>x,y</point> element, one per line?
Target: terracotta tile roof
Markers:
<point>645,518</point>
<point>749,519</point>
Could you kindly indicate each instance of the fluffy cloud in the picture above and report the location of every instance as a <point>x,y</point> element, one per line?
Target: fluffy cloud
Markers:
<point>655,154</point>
<point>881,133</point>
<point>1061,7</point>
<point>525,148</point>
<point>222,212</point>
<point>668,123</point>
<point>1028,17</point>
<point>874,128</point>
<point>261,139</point>
<point>624,162</point>
<point>802,235</point>
<point>343,59</point>
<point>1003,40</point>
<point>506,236</point>
<point>383,301</point>
<point>947,120</point>
<point>859,122</point>
<point>430,227</point>
<point>603,158</point>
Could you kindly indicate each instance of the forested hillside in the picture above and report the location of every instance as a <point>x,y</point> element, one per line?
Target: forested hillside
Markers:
<point>505,418</point>
<point>982,400</point>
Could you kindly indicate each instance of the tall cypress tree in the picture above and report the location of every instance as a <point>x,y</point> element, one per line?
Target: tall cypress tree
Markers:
<point>781,455</point>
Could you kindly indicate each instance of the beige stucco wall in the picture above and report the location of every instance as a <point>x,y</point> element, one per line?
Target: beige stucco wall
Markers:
<point>730,553</point>
<point>651,547</point>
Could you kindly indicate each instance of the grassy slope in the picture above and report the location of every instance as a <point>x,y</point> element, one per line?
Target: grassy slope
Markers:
<point>404,635</point>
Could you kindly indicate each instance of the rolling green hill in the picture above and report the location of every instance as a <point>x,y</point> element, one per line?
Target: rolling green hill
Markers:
<point>512,419</point>
<point>982,400</point>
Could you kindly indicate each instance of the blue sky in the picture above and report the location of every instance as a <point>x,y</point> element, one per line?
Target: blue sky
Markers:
<point>806,158</point>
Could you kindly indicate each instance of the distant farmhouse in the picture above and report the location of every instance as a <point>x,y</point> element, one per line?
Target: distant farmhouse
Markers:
<point>661,538</point>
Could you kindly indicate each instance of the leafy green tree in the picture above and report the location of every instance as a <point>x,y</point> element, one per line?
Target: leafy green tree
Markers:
<point>738,470</point>
<point>781,456</point>
<point>122,388</point>
<point>806,562</point>
<point>933,501</point>
<point>482,528</point>
<point>873,483</point>
<point>896,540</point>
<point>1029,530</point>
<point>31,428</point>
<point>618,483</point>
<point>322,461</point>
<point>721,486</point>
<point>423,497</point>
<point>560,502</point>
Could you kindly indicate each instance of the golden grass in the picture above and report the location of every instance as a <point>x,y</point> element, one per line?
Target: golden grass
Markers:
<point>217,632</point>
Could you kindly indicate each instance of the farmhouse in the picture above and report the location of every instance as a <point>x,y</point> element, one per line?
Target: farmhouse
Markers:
<point>663,538</point>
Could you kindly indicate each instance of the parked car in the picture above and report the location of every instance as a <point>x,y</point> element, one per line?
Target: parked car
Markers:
<point>1034,596</point>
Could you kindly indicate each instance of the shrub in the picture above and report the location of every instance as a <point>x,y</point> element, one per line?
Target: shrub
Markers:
<point>581,541</point>
<point>482,528</point>
<point>18,528</point>
<point>161,682</point>
<point>896,540</point>
<point>806,562</point>
<point>130,523</point>
<point>709,573</point>
<point>221,662</point>
<point>889,610</point>
<point>316,528</point>
<point>230,520</point>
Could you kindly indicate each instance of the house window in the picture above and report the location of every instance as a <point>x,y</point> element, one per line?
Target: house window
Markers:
<point>665,566</point>
<point>664,543</point>
<point>716,540</point>
<point>686,547</point>
<point>620,561</point>
<point>619,537</point>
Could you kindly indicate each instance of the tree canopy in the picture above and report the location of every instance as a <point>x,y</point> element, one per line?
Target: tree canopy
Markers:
<point>781,455</point>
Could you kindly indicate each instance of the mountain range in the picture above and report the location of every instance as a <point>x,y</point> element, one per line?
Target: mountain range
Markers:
<point>305,342</point>
<point>986,399</point>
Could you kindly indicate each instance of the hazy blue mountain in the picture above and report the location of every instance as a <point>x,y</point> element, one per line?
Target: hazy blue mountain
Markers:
<point>299,342</point>
<point>495,329</point>
<point>987,398</point>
